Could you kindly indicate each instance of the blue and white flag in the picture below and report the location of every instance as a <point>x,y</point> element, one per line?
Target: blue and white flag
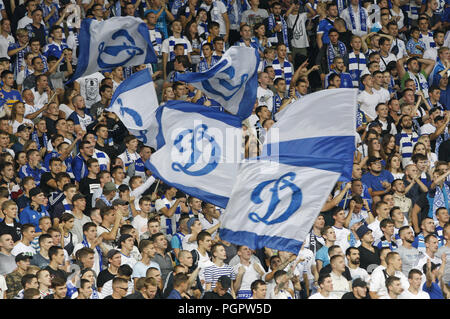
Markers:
<point>232,81</point>
<point>198,150</point>
<point>118,41</point>
<point>276,198</point>
<point>316,125</point>
<point>135,102</point>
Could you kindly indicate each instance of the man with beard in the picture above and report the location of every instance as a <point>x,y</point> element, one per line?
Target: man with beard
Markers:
<point>406,139</point>
<point>377,180</point>
<point>407,252</point>
<point>438,38</point>
<point>369,255</point>
<point>415,73</point>
<point>353,260</point>
<point>400,199</point>
<point>80,118</point>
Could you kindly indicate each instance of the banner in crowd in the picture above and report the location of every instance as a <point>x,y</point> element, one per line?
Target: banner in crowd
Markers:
<point>276,198</point>
<point>118,41</point>
<point>232,82</point>
<point>135,102</point>
<point>198,150</point>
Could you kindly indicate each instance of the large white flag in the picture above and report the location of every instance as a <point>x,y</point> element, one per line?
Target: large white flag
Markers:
<point>232,82</point>
<point>198,150</point>
<point>276,199</point>
<point>135,102</point>
<point>118,41</point>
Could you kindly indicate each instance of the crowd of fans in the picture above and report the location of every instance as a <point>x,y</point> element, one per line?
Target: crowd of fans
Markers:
<point>81,216</point>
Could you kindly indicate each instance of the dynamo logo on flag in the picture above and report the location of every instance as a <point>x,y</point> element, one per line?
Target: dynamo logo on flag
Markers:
<point>312,144</point>
<point>198,150</point>
<point>232,82</point>
<point>118,41</point>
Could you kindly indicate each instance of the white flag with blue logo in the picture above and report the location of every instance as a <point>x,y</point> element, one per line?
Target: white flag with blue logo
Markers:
<point>135,102</point>
<point>232,81</point>
<point>276,199</point>
<point>198,150</point>
<point>118,41</point>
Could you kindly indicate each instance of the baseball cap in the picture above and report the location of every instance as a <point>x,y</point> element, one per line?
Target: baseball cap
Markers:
<point>3,59</point>
<point>77,197</point>
<point>373,159</point>
<point>225,282</point>
<point>109,187</point>
<point>119,202</point>
<point>35,191</point>
<point>374,123</point>
<point>358,282</point>
<point>362,230</point>
<point>111,253</point>
<point>23,256</point>
<point>22,127</point>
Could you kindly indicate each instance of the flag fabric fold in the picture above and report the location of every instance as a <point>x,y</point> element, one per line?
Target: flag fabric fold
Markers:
<point>232,81</point>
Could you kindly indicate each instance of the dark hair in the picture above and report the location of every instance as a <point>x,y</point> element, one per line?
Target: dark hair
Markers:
<point>26,279</point>
<point>255,284</point>
<point>202,236</point>
<point>322,278</point>
<point>125,270</point>
<point>53,251</point>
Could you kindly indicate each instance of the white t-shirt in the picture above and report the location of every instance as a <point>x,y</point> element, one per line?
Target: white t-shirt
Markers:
<point>383,94</point>
<point>3,287</point>
<point>300,37</point>
<point>368,102</point>
<point>22,248</point>
<point>89,88</point>
<point>265,97</point>
<point>427,129</point>
<point>378,281</point>
<point>384,61</point>
<point>359,273</point>
<point>15,124</point>
<point>183,40</point>
<point>318,295</point>
<point>406,294</point>
<point>128,260</point>
<point>305,266</point>
<point>24,22</point>
<point>376,231</point>
<point>217,11</point>
<point>342,237</point>
<point>249,276</point>
<point>188,245</point>
<point>207,225</point>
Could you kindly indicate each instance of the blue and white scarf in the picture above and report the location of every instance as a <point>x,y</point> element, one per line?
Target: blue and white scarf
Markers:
<point>273,37</point>
<point>440,140</point>
<point>285,71</point>
<point>169,227</point>
<point>430,35</point>
<point>421,83</point>
<point>341,5</point>
<point>234,12</point>
<point>331,55</point>
<point>362,18</point>
<point>440,200</point>
<point>356,67</point>
<point>156,38</point>
<point>35,138</point>
<point>276,104</point>
<point>107,202</point>
<point>97,248</point>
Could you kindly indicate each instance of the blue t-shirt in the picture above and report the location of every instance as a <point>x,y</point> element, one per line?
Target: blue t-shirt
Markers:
<point>323,27</point>
<point>322,255</point>
<point>374,182</point>
<point>434,291</point>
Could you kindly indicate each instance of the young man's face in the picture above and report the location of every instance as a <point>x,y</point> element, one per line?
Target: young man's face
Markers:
<point>150,250</point>
<point>91,233</point>
<point>29,233</point>
<point>61,291</point>
<point>59,258</point>
<point>46,244</point>
<point>88,261</point>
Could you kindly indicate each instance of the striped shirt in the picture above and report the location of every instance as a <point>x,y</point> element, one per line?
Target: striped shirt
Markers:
<point>213,273</point>
<point>406,142</point>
